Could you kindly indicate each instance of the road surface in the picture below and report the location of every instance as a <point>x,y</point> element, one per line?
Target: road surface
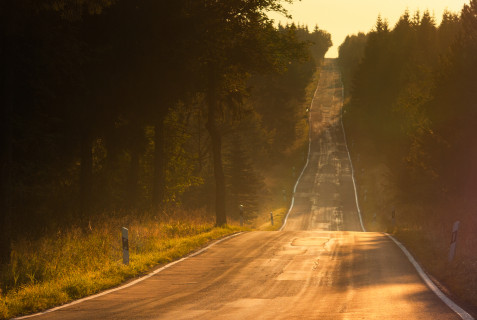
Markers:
<point>320,267</point>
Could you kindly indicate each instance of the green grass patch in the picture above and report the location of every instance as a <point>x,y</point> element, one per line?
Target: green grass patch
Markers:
<point>73,264</point>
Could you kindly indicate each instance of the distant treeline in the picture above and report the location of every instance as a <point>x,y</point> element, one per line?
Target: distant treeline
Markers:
<point>412,93</point>
<point>134,104</point>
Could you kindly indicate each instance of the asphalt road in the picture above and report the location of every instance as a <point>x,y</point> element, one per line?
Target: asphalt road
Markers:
<point>320,267</point>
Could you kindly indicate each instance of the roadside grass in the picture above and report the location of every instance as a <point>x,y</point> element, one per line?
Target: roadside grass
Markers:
<point>265,224</point>
<point>431,244</point>
<point>75,263</point>
<point>72,264</point>
<point>423,226</point>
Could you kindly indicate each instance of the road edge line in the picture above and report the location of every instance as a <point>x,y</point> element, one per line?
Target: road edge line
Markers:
<point>349,158</point>
<point>307,157</point>
<point>129,284</point>
<point>451,304</point>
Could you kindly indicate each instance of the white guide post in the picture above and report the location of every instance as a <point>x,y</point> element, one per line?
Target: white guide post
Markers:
<point>241,215</point>
<point>453,240</point>
<point>125,240</point>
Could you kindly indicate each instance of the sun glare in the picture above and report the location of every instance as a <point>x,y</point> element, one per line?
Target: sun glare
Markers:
<point>344,17</point>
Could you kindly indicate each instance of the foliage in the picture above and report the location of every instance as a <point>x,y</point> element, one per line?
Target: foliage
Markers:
<point>351,52</point>
<point>391,86</point>
<point>124,106</point>
<point>244,183</point>
<point>412,116</point>
<point>116,108</point>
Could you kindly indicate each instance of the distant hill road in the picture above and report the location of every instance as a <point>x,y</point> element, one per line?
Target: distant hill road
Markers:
<point>321,266</point>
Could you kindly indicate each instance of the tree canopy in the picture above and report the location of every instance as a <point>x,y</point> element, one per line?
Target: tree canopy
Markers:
<point>117,105</point>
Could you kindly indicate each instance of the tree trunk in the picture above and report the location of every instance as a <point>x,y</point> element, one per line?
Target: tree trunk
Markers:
<point>216,141</point>
<point>8,87</point>
<point>86,174</point>
<point>159,179</point>
<point>6,167</point>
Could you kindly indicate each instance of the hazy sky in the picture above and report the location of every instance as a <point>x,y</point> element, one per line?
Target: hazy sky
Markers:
<point>344,17</point>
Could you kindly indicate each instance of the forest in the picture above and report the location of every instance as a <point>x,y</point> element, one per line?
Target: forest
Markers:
<point>410,110</point>
<point>118,107</point>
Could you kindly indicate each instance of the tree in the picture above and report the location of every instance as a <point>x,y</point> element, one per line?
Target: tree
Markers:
<point>231,50</point>
<point>243,183</point>
<point>98,98</point>
<point>452,110</point>
<point>29,31</point>
<point>351,53</point>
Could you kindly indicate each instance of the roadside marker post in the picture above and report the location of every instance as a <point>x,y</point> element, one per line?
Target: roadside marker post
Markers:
<point>125,240</point>
<point>453,240</point>
<point>271,218</point>
<point>241,215</point>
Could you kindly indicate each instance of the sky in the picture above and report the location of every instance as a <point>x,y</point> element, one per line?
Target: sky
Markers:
<point>346,17</point>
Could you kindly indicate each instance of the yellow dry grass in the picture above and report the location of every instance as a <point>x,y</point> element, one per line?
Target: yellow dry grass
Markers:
<point>68,265</point>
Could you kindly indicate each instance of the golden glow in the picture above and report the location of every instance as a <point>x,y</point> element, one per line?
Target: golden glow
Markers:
<point>344,17</point>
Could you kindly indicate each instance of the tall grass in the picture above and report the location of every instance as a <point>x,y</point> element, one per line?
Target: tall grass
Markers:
<point>69,264</point>
<point>77,262</point>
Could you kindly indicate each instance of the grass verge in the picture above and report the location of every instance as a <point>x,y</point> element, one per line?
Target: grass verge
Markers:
<point>70,265</point>
<point>423,225</point>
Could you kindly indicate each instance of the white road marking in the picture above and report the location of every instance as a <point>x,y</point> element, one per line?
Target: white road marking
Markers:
<point>451,304</point>
<point>306,164</point>
<point>350,162</point>
<point>129,284</point>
